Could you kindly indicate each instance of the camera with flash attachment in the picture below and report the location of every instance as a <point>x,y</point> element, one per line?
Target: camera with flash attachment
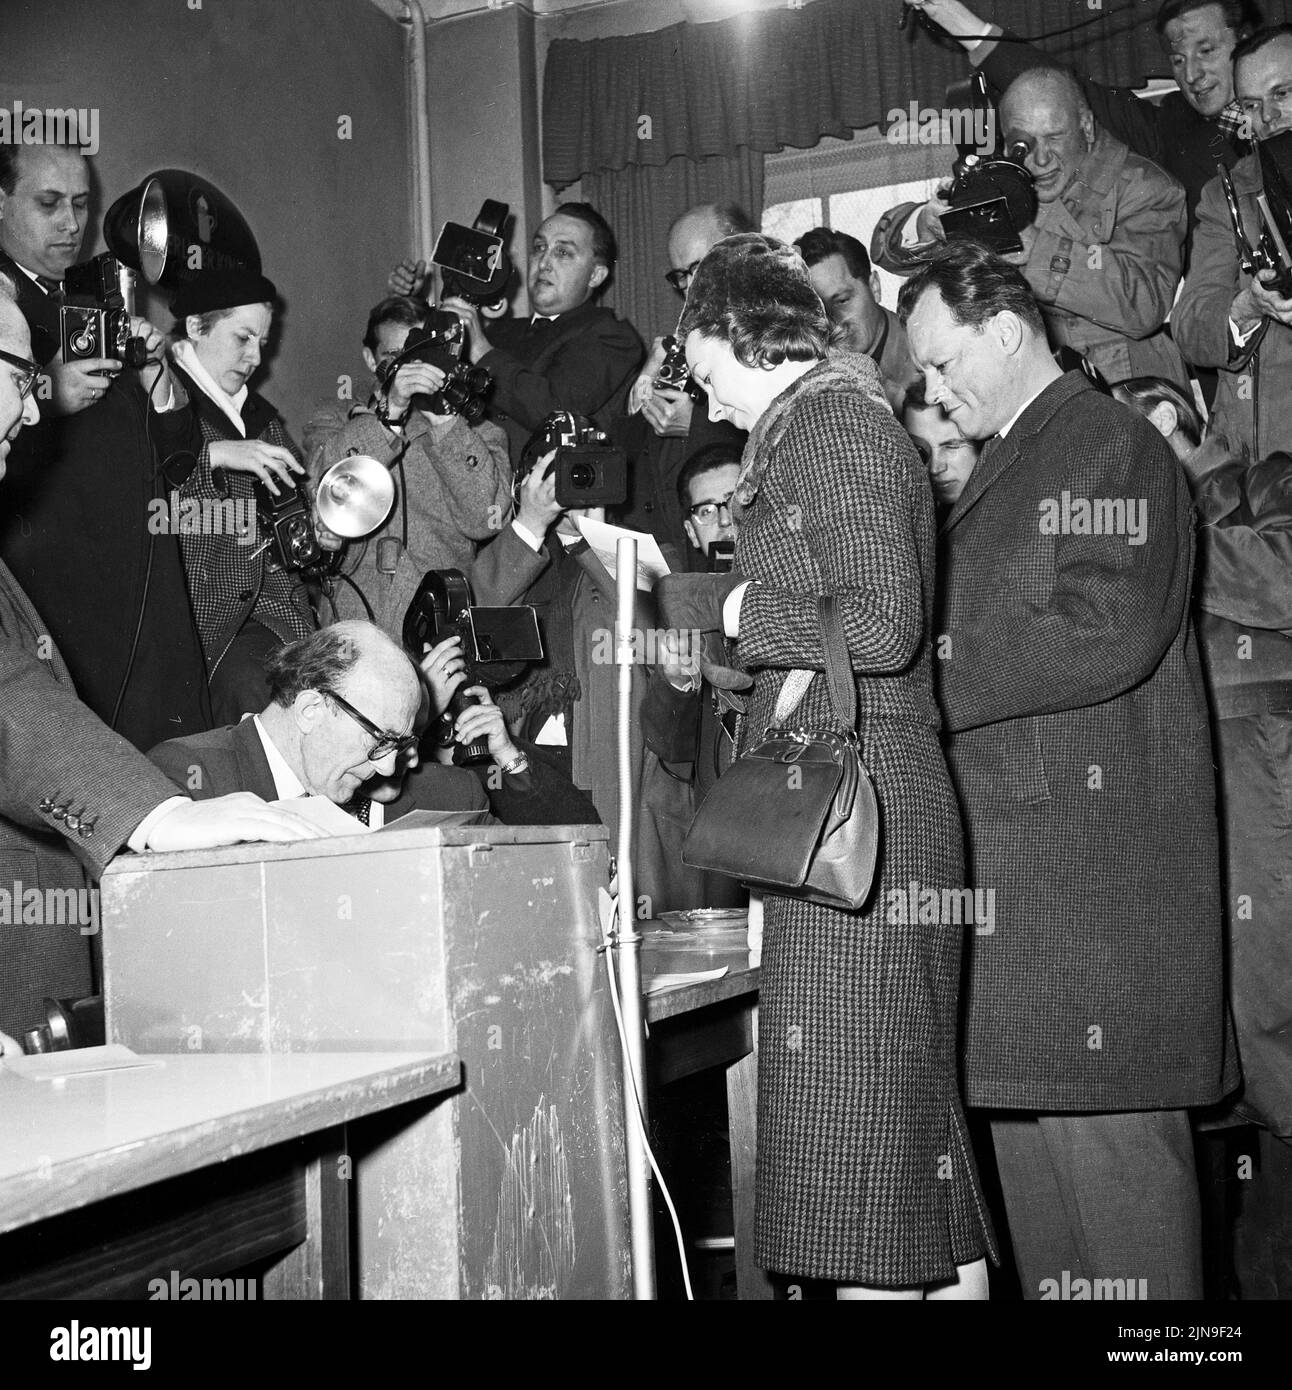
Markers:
<point>589,470</point>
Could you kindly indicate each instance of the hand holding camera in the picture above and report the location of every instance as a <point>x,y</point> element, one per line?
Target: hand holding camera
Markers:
<point>80,383</point>
<point>477,343</point>
<point>445,668</point>
<point>483,722</point>
<point>537,507</point>
<point>414,379</point>
<point>271,463</point>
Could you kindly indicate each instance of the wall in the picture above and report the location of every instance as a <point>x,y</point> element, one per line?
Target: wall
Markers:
<point>483,105</point>
<point>247,93</point>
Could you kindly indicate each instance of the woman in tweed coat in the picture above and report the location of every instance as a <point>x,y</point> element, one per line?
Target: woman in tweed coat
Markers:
<point>244,602</point>
<point>865,1174</point>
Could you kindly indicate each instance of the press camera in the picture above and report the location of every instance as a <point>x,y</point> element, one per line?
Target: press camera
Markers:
<point>589,471</point>
<point>95,318</point>
<point>473,261</point>
<point>1274,214</point>
<point>497,643</point>
<point>992,194</point>
<point>441,342</point>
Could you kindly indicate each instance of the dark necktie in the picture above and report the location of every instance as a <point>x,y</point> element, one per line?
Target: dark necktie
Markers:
<point>53,288</point>
<point>359,807</point>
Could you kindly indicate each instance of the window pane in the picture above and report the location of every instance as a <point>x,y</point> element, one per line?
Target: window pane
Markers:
<point>856,213</point>
<point>788,221</point>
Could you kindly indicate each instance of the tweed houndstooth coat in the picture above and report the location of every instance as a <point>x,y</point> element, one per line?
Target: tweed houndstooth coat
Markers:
<point>1072,691</point>
<point>865,1173</point>
<point>231,578</point>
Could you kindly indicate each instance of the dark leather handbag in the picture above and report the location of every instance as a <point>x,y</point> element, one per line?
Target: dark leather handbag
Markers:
<point>797,815</point>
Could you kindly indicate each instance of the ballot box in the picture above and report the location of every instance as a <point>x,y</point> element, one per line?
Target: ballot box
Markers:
<point>481,940</point>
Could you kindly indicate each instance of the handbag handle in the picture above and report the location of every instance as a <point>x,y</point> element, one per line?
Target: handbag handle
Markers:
<point>838,670</point>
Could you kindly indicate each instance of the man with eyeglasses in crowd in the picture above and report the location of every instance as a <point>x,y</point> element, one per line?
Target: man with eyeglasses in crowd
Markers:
<point>663,429</point>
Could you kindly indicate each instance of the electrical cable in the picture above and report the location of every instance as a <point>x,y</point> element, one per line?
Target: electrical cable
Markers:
<point>934,26</point>
<point>607,945</point>
<point>150,453</point>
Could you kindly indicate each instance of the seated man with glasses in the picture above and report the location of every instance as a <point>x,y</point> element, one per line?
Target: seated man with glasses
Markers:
<point>342,722</point>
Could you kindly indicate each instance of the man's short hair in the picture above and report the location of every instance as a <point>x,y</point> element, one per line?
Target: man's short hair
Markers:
<point>975,285</point>
<point>1145,393</point>
<point>604,251</point>
<point>754,293</point>
<point>9,152</point>
<point>320,661</point>
<point>701,462</point>
<point>396,308</point>
<point>915,398</point>
<point>1241,16</point>
<point>1254,42</point>
<point>821,242</point>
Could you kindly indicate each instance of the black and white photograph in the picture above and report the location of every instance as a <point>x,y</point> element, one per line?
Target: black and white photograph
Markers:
<point>645,656</point>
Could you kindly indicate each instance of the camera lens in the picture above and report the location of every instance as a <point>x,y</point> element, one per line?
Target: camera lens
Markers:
<point>582,475</point>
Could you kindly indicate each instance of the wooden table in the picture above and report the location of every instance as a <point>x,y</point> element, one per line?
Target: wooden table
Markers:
<point>196,1168</point>
<point>714,1023</point>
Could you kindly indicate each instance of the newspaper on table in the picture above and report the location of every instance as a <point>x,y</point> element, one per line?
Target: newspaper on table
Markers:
<point>604,540</point>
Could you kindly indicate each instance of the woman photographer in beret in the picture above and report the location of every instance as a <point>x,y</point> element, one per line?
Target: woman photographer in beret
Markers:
<point>245,602</point>
<point>865,1173</point>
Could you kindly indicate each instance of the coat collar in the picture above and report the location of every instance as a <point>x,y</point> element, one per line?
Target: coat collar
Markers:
<point>999,455</point>
<point>842,371</point>
<point>254,773</point>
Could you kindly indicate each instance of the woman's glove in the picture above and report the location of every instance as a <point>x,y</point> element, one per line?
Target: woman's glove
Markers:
<point>694,601</point>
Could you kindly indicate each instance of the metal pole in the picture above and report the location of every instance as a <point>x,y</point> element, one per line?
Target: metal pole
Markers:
<point>629,952</point>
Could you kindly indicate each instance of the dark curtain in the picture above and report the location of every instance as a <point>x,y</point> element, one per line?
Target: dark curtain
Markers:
<point>640,203</point>
<point>783,77</point>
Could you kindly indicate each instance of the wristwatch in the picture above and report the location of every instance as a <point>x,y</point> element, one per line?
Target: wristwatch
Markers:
<point>520,763</point>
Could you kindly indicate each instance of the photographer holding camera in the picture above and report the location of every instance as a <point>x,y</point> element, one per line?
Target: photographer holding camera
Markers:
<point>452,481</point>
<point>84,481</point>
<point>1105,251</point>
<point>245,600</point>
<point>571,354</point>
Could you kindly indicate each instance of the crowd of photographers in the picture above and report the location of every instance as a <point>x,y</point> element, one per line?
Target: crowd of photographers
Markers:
<point>1155,260</point>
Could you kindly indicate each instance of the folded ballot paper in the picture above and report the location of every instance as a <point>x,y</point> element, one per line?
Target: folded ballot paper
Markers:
<point>604,540</point>
<point>330,818</point>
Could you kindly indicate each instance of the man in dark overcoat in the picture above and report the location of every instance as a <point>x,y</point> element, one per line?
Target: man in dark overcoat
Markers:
<point>1073,699</point>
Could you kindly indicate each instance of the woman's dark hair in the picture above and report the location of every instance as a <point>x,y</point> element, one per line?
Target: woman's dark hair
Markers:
<point>754,292</point>
<point>1144,393</point>
<point>975,284</point>
<point>396,308</point>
